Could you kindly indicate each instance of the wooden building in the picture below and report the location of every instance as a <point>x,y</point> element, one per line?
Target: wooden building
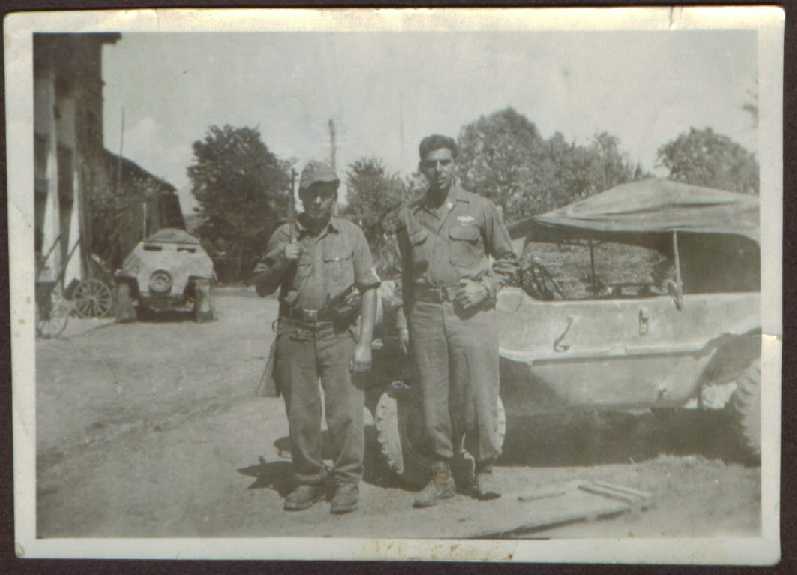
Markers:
<point>79,185</point>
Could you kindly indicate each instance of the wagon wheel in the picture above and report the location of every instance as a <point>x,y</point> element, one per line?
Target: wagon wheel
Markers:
<point>93,298</point>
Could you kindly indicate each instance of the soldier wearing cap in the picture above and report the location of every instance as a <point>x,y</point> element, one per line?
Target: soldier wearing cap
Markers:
<point>317,262</point>
<point>456,253</point>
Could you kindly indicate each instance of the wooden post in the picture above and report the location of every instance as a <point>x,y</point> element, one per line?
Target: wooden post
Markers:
<point>52,232</point>
<point>121,150</point>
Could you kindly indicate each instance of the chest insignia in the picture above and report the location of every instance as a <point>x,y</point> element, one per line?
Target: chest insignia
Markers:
<point>466,219</point>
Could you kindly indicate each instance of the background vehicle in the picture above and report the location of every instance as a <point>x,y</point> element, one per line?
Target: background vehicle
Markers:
<point>644,296</point>
<point>169,270</point>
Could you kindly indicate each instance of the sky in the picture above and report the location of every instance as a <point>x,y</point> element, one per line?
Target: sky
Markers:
<point>386,91</point>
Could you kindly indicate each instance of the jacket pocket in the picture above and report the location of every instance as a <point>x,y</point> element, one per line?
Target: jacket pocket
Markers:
<point>465,246</point>
<point>421,246</point>
<point>340,269</point>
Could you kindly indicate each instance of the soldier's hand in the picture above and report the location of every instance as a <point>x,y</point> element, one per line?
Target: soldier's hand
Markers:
<point>292,251</point>
<point>470,294</point>
<point>361,363</point>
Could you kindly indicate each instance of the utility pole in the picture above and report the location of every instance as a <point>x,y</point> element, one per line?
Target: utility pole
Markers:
<point>401,129</point>
<point>333,152</point>
<point>292,207</point>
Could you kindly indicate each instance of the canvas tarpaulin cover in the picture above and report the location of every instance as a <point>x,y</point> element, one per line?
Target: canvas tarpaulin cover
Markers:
<point>648,207</point>
<point>172,236</point>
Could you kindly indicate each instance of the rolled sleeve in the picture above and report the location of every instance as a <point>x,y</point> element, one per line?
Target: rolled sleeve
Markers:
<point>364,272</point>
<point>499,246</point>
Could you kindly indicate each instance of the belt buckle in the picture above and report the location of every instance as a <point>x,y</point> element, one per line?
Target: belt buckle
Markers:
<point>310,315</point>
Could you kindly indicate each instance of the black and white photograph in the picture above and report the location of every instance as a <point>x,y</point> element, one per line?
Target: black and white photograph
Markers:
<point>481,285</point>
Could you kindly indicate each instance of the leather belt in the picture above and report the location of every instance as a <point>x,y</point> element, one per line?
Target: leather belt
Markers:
<point>307,315</point>
<point>434,294</point>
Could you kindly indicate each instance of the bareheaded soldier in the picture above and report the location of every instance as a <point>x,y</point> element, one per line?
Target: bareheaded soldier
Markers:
<point>456,253</point>
<point>322,264</point>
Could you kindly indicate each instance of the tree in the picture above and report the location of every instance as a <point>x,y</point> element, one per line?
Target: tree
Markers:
<point>609,165</point>
<point>504,157</point>
<point>372,193</point>
<point>242,189</point>
<point>582,171</point>
<point>501,157</point>
<point>705,158</point>
<point>751,104</point>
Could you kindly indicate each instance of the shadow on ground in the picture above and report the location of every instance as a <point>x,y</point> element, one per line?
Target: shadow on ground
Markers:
<point>274,475</point>
<point>170,316</point>
<point>278,474</point>
<point>593,438</point>
<point>571,439</point>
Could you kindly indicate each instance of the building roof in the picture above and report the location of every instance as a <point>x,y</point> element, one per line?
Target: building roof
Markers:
<point>132,173</point>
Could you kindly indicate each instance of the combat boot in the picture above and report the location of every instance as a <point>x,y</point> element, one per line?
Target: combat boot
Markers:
<point>441,486</point>
<point>484,484</point>
<point>303,497</point>
<point>345,498</point>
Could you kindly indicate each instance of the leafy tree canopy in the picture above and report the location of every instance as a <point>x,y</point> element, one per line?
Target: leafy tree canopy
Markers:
<point>242,190</point>
<point>504,157</point>
<point>372,193</point>
<point>705,158</point>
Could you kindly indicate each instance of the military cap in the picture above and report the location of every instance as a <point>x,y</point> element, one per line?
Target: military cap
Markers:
<point>316,172</point>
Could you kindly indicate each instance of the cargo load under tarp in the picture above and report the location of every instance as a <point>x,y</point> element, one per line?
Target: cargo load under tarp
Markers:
<point>646,207</point>
<point>717,231</point>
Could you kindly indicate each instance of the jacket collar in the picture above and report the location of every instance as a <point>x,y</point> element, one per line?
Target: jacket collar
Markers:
<point>332,226</point>
<point>455,194</point>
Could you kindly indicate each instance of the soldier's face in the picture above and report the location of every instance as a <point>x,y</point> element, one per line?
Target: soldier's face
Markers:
<point>438,167</point>
<point>319,199</point>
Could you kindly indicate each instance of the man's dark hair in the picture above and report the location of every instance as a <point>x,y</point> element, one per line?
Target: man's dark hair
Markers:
<point>436,142</point>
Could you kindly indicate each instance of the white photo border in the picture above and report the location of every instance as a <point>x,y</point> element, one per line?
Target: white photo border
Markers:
<point>18,36</point>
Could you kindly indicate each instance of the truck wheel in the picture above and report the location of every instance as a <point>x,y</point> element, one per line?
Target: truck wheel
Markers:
<point>399,431</point>
<point>125,311</point>
<point>203,300</point>
<point>744,410</point>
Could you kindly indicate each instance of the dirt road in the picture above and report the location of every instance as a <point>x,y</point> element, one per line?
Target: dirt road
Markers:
<point>153,429</point>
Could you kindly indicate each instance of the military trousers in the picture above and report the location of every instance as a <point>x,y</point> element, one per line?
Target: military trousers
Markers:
<point>302,357</point>
<point>457,365</point>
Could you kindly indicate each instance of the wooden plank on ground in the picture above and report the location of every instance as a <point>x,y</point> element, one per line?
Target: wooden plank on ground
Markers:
<point>529,511</point>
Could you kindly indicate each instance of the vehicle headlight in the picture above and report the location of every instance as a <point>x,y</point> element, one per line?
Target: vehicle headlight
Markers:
<point>160,282</point>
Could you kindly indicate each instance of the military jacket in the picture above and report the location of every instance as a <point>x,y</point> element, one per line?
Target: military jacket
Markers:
<point>330,263</point>
<point>463,238</point>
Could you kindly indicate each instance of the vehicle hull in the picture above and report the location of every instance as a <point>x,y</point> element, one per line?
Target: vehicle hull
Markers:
<point>618,354</point>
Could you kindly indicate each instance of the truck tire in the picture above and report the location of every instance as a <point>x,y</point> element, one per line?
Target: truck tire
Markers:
<point>744,410</point>
<point>399,432</point>
<point>125,312</point>
<point>203,301</point>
